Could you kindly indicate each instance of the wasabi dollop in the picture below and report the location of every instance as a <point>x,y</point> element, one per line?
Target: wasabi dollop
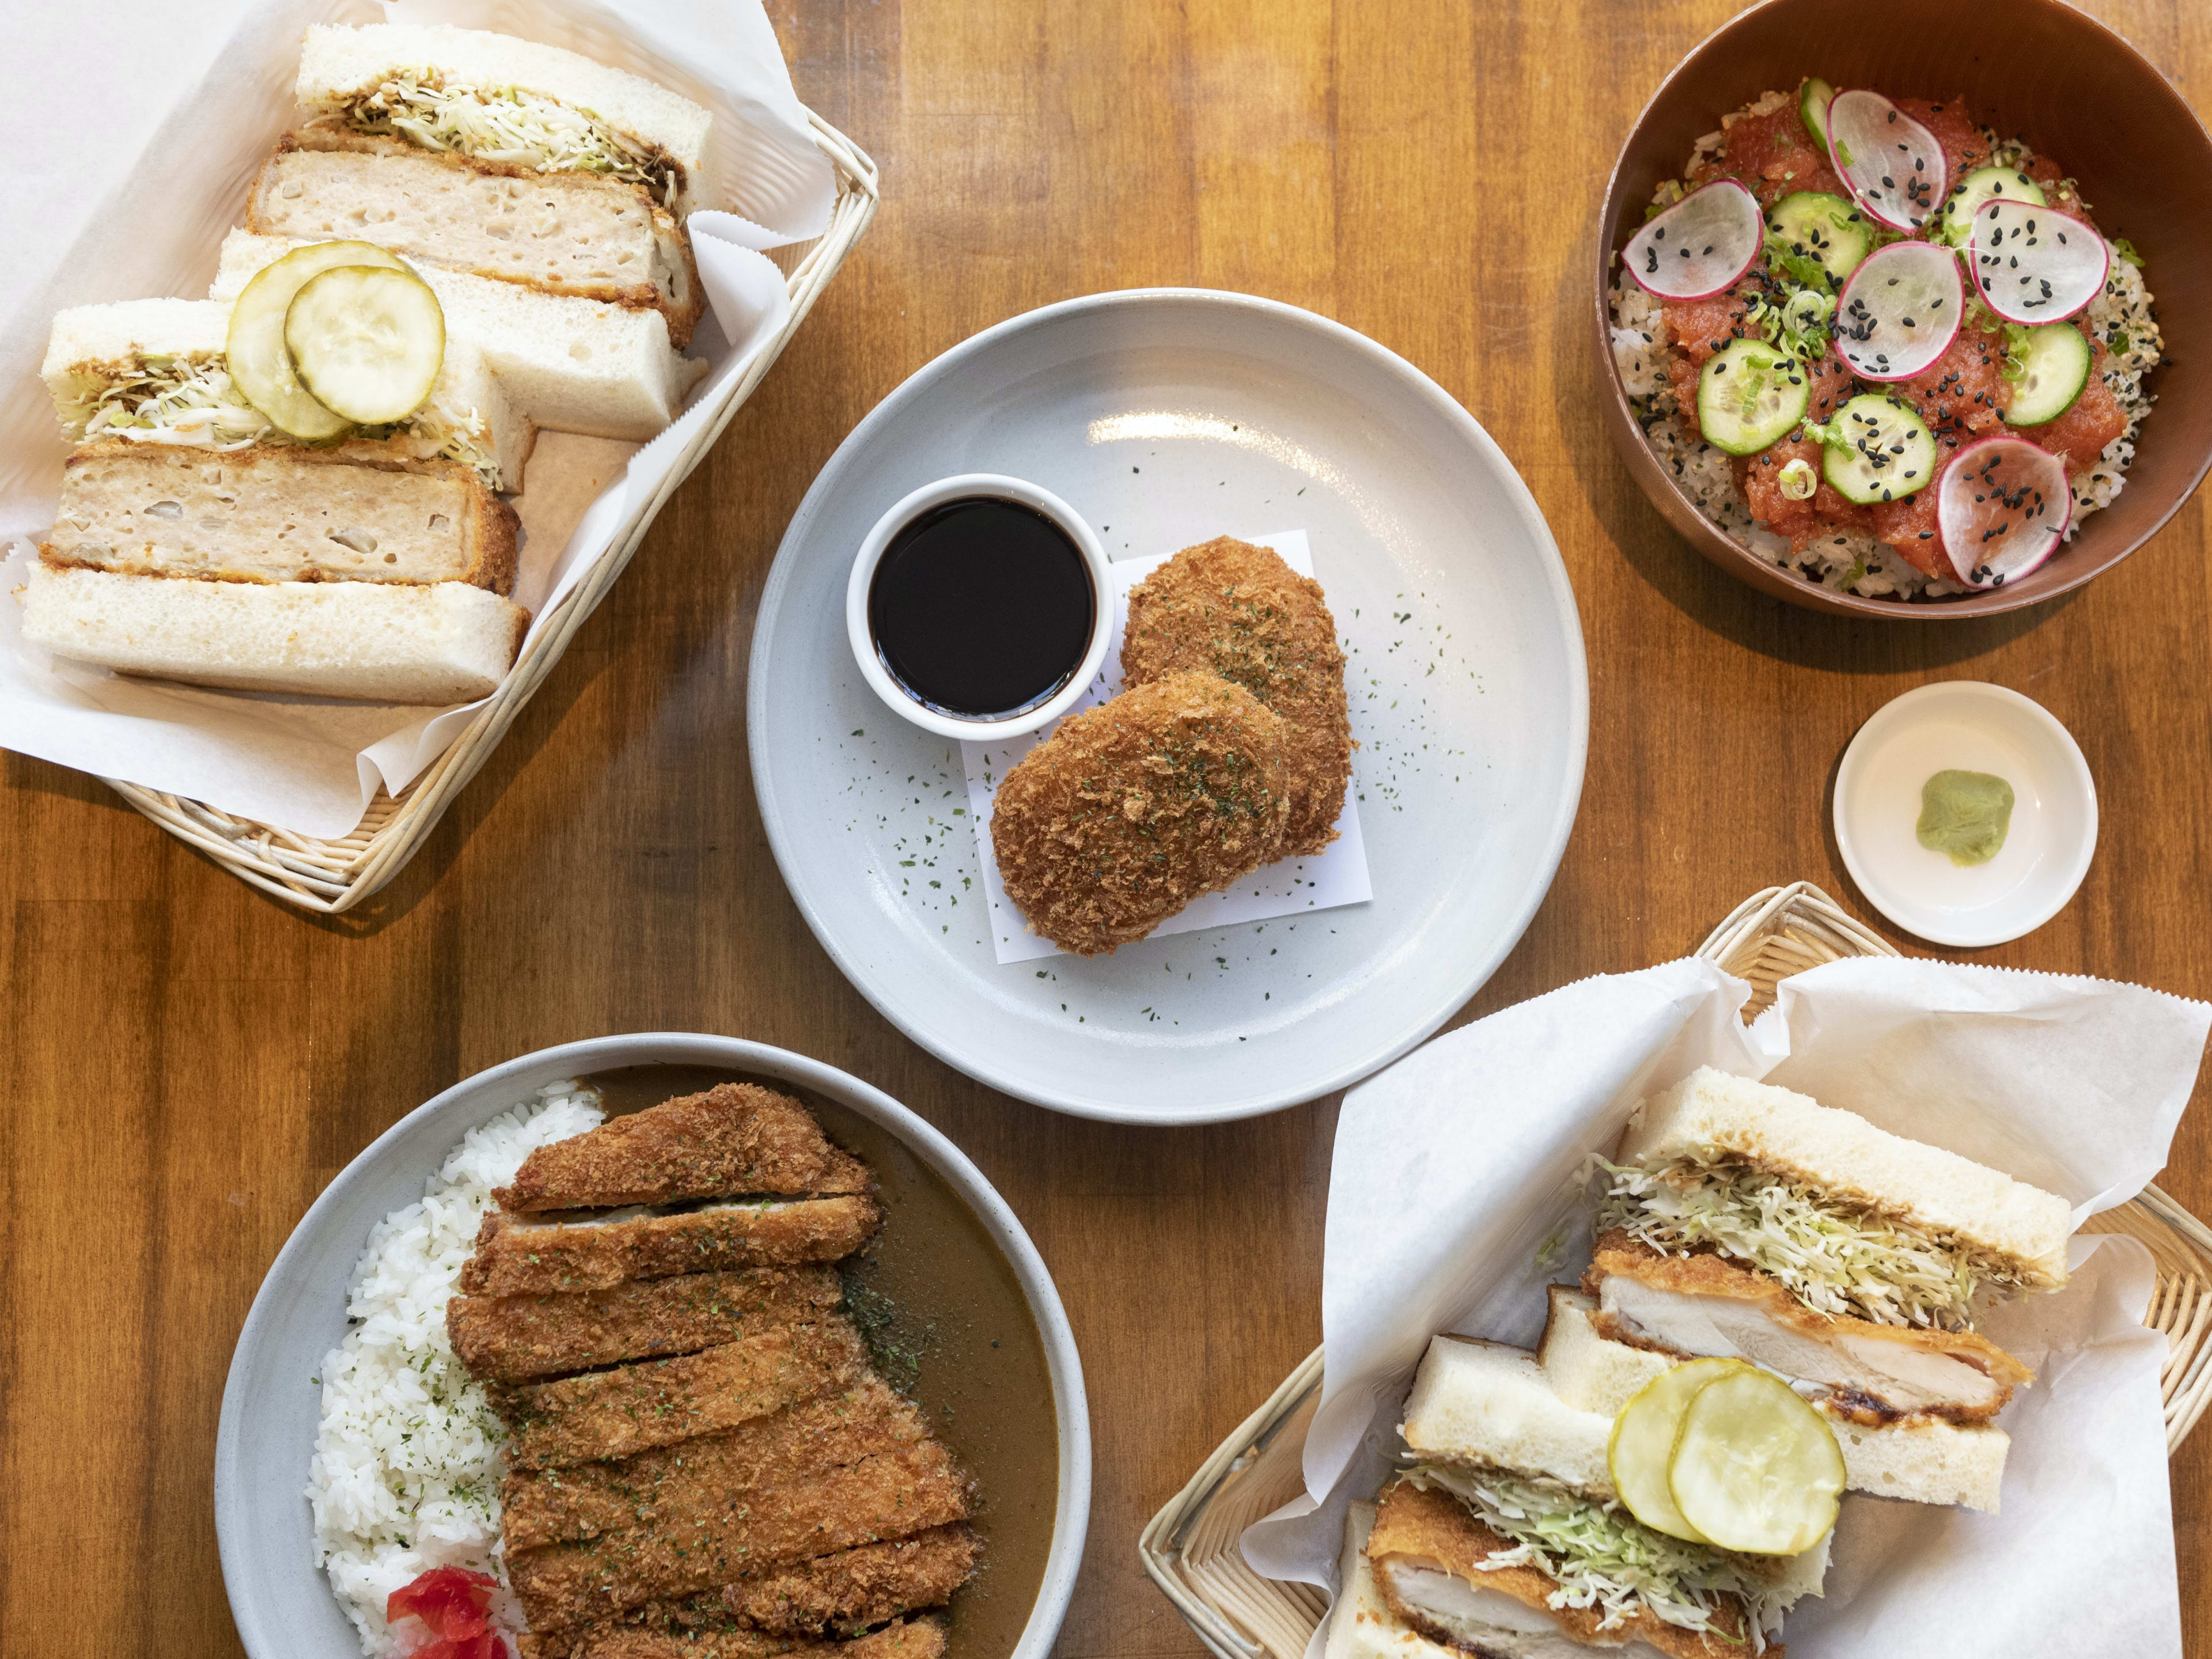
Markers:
<point>1964,814</point>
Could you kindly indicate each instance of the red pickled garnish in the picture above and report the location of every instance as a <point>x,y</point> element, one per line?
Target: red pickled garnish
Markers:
<point>451,1603</point>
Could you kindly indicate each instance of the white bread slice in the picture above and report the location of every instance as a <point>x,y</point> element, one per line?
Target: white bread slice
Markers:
<point>1922,1459</point>
<point>90,348</point>
<point>1361,1625</point>
<point>379,642</point>
<point>1841,1154</point>
<point>570,365</point>
<point>1483,1404</point>
<point>337,61</point>
<point>270,513</point>
<point>562,232</point>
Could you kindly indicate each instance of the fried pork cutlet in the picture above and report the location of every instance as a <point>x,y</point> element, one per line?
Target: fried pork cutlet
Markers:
<point>1233,610</point>
<point>837,1594</point>
<point>909,1638</point>
<point>685,1550</point>
<point>1132,809</point>
<point>736,1139</point>
<point>664,1403</point>
<point>718,1475</point>
<point>516,1338</point>
<point>520,1255</point>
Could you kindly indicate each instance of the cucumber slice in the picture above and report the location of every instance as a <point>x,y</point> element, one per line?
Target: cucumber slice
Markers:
<point>1984,185</point>
<point>1642,1444</point>
<point>260,363</point>
<point>1750,395</point>
<point>367,341</point>
<point>1813,102</point>
<point>1814,227</point>
<point>1877,449</point>
<point>2054,360</point>
<point>1756,1469</point>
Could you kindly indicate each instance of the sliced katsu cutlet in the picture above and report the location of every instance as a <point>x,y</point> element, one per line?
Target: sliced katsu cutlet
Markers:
<point>735,1139</point>
<point>718,1475</point>
<point>663,1402</point>
<point>517,1255</point>
<point>834,1595</point>
<point>520,1339</point>
<point>908,1639</point>
<point>686,1549</point>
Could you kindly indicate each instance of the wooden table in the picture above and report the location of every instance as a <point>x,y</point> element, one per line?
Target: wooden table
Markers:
<point>191,1062</point>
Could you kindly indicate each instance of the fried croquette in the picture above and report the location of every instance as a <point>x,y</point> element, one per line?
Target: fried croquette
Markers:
<point>1236,611</point>
<point>1132,809</point>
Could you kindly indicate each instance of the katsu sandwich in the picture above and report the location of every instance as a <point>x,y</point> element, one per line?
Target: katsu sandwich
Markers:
<point>701,1459</point>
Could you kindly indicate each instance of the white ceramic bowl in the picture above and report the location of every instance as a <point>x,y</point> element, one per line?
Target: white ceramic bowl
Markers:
<point>911,507</point>
<point>1972,726</point>
<point>280,1600</point>
<point>1175,416</point>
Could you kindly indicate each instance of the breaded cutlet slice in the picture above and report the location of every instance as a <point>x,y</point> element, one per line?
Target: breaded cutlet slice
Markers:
<point>688,1548</point>
<point>1132,809</point>
<point>519,1339</point>
<point>736,1140</point>
<point>517,1255</point>
<point>839,1595</point>
<point>664,1403</point>
<point>1236,611</point>
<point>717,1475</point>
<point>909,1639</point>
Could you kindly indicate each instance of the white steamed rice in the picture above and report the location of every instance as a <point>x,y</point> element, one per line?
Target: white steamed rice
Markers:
<point>407,1464</point>
<point>1856,562</point>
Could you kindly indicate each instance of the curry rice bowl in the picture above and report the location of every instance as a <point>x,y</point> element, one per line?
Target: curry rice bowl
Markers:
<point>1830,541</point>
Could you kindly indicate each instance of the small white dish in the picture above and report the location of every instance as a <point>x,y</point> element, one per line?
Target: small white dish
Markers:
<point>1974,726</point>
<point>962,487</point>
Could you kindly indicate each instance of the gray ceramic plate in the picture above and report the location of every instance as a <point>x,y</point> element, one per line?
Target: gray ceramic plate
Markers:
<point>1165,417</point>
<point>281,1600</point>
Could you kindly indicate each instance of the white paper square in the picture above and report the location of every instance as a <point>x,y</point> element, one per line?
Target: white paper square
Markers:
<point>1337,877</point>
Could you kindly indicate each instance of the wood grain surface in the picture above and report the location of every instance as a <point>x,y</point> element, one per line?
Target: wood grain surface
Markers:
<point>191,1062</point>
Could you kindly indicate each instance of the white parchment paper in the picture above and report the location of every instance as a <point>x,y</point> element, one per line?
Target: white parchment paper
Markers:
<point>1452,1200</point>
<point>1339,876</point>
<point>138,208</point>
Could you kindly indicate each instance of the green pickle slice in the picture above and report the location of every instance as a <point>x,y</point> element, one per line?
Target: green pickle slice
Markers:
<point>1754,1468</point>
<point>259,361</point>
<point>1643,1443</point>
<point>367,341</point>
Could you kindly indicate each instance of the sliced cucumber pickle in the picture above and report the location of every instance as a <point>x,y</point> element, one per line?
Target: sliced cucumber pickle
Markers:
<point>2054,366</point>
<point>1979,188</point>
<point>1826,229</point>
<point>367,341</point>
<point>1642,1444</point>
<point>1755,1469</point>
<point>1750,395</point>
<point>1877,448</point>
<point>1813,102</point>
<point>260,363</point>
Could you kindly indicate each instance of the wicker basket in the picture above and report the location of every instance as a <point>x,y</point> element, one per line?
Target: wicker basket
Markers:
<point>1190,1548</point>
<point>330,876</point>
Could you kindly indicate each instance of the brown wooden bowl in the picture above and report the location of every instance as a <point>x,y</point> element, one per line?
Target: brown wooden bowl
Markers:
<point>2076,92</point>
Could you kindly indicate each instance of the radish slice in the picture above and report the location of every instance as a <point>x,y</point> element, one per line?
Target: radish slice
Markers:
<point>2033,264</point>
<point>1699,246</point>
<point>2003,507</point>
<point>1900,311</point>
<point>1893,164</point>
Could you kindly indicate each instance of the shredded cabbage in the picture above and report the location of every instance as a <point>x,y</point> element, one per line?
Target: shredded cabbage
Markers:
<point>1602,1557</point>
<point>1834,1258</point>
<point>510,126</point>
<point>192,401</point>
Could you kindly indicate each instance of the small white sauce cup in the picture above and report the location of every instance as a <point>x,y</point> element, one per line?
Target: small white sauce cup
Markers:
<point>962,487</point>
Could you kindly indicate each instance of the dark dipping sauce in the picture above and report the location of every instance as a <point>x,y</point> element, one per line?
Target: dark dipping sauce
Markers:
<point>950,1328</point>
<point>982,608</point>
